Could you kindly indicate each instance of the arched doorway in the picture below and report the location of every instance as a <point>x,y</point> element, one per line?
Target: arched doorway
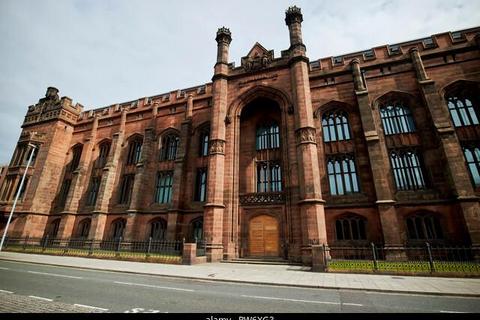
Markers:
<point>264,237</point>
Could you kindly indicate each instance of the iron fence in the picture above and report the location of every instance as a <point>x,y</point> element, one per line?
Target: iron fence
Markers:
<point>113,248</point>
<point>421,258</point>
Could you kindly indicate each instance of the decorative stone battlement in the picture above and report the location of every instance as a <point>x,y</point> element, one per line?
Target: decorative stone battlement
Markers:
<point>52,107</point>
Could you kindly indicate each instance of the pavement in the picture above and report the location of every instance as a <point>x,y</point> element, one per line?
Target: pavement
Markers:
<point>277,275</point>
<point>14,303</point>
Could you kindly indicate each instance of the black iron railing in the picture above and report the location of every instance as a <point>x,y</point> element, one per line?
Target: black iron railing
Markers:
<point>421,258</point>
<point>112,248</point>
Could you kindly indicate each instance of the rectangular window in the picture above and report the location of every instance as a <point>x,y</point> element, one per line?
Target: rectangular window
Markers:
<point>22,191</point>
<point>126,188</point>
<point>8,188</point>
<point>163,188</point>
<point>93,191</point>
<point>64,192</point>
<point>201,185</point>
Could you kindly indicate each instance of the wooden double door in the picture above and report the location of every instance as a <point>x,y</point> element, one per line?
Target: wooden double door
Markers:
<point>264,237</point>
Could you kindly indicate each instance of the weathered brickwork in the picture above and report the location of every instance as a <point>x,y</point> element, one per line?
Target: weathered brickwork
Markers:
<point>203,170</point>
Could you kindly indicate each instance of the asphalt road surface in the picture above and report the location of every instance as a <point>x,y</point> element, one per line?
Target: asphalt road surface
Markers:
<point>125,292</point>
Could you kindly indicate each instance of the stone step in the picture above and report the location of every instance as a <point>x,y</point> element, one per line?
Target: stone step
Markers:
<point>261,261</point>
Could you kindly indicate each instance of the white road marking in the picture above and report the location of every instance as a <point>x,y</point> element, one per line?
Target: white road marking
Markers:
<point>294,300</point>
<point>2,268</point>
<point>6,291</point>
<point>41,298</point>
<point>446,311</point>
<point>353,304</point>
<point>91,307</point>
<point>152,286</point>
<point>54,275</point>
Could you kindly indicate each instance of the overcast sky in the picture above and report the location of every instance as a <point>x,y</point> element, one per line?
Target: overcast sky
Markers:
<point>104,52</point>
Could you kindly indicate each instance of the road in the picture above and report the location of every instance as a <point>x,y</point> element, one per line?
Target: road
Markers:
<point>126,292</point>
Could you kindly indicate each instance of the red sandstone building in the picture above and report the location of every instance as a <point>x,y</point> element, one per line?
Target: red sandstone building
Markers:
<point>278,153</point>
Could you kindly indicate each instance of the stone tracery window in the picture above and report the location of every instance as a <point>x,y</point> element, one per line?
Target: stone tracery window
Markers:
<point>126,189</point>
<point>201,185</point>
<point>158,229</point>
<point>269,177</point>
<point>424,226</point>
<point>203,141</point>
<point>335,126</point>
<point>170,143</point>
<point>472,157</point>
<point>118,228</point>
<point>77,153</point>
<point>84,228</point>
<point>268,136</point>
<point>163,188</point>
<point>93,191</point>
<point>351,227</point>
<point>134,150</point>
<point>407,170</point>
<point>104,150</point>
<point>463,108</point>
<point>342,174</point>
<point>396,118</point>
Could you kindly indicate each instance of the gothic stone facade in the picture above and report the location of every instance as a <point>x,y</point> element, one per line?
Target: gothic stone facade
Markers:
<point>276,154</point>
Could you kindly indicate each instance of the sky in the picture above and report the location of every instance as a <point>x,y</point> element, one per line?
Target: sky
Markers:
<point>101,52</point>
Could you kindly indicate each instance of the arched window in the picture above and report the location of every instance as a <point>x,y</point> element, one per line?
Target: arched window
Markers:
<point>269,177</point>
<point>169,148</point>
<point>463,108</point>
<point>268,137</point>
<point>158,229</point>
<point>424,227</point>
<point>197,229</point>
<point>84,228</point>
<point>342,175</point>
<point>104,150</point>
<point>335,126</point>
<point>203,142</point>
<point>351,228</point>
<point>407,170</point>
<point>134,150</point>
<point>53,228</point>
<point>472,157</point>
<point>396,118</point>
<point>77,153</point>
<point>118,227</point>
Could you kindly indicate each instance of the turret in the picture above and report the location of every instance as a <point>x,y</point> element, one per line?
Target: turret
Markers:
<point>293,19</point>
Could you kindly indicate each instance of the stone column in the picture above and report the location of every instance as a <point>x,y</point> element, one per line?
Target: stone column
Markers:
<point>378,156</point>
<point>311,204</point>
<point>107,184</point>
<point>215,207</point>
<point>80,183</point>
<point>179,173</point>
<point>452,151</point>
